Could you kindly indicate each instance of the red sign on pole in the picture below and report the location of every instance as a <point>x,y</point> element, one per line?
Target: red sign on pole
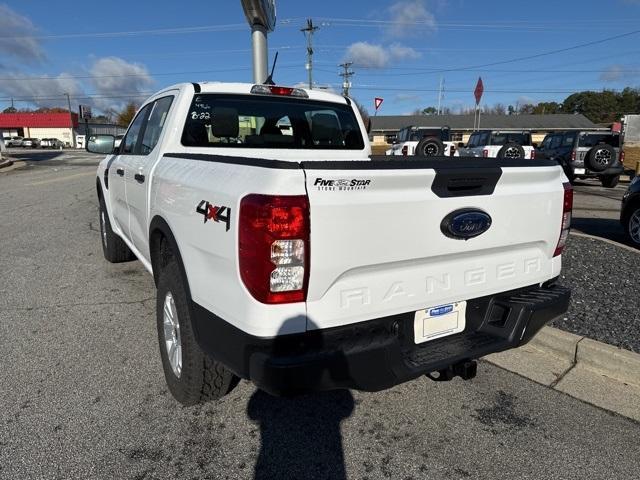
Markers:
<point>479,90</point>
<point>377,102</point>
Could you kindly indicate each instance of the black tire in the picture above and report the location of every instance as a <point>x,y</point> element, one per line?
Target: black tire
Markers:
<point>430,147</point>
<point>600,157</point>
<point>632,220</point>
<point>113,247</point>
<point>610,181</point>
<point>511,150</point>
<point>200,378</point>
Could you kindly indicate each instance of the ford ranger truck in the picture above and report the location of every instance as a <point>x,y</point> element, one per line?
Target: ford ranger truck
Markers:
<point>285,254</point>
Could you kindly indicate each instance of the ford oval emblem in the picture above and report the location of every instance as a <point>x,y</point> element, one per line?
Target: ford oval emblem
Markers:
<point>465,223</point>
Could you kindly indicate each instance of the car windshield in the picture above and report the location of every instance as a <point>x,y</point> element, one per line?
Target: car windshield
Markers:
<point>502,138</point>
<point>593,139</point>
<point>263,121</point>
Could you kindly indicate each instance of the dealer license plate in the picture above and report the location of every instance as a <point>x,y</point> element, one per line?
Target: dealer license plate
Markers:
<point>440,321</point>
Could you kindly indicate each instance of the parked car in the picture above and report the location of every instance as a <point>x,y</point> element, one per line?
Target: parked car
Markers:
<point>30,143</point>
<point>303,263</point>
<point>498,144</point>
<point>14,142</point>
<point>423,142</point>
<point>51,143</point>
<point>586,154</point>
<point>630,212</point>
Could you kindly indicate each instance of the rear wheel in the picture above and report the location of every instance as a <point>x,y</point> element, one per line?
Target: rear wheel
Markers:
<point>192,377</point>
<point>610,181</point>
<point>113,247</point>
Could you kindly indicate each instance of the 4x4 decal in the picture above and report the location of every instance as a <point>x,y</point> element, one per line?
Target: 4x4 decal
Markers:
<point>215,213</point>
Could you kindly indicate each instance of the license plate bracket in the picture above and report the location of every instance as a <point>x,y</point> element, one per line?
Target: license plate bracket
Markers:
<point>439,321</point>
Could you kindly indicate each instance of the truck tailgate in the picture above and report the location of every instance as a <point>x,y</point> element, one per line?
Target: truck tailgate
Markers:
<point>377,244</point>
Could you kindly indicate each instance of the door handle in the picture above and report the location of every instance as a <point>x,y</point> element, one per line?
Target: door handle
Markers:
<point>139,177</point>
<point>120,171</point>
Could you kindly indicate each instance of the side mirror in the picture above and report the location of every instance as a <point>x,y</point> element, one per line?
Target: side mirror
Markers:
<point>460,144</point>
<point>101,144</point>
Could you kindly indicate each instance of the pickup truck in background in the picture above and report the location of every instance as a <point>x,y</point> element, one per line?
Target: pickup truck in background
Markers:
<point>423,142</point>
<point>498,144</point>
<point>586,154</point>
<point>285,254</point>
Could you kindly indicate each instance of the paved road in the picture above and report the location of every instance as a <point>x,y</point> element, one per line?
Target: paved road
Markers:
<point>596,209</point>
<point>83,394</point>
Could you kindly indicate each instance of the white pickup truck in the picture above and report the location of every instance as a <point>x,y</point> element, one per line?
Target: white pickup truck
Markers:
<point>284,253</point>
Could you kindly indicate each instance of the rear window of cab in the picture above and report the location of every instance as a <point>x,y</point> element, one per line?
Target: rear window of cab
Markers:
<point>265,121</point>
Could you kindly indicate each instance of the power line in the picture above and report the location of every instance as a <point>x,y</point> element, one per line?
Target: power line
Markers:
<point>195,72</point>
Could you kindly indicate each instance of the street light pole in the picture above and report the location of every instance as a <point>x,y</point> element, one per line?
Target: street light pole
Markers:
<point>73,138</point>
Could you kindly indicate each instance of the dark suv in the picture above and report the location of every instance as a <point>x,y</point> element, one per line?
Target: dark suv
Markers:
<point>586,154</point>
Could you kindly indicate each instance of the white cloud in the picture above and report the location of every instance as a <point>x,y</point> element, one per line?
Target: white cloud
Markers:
<point>16,37</point>
<point>368,55</point>
<point>42,91</point>
<point>114,77</point>
<point>410,17</point>
<point>616,73</point>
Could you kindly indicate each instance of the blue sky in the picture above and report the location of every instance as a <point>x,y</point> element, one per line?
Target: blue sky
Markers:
<point>122,50</point>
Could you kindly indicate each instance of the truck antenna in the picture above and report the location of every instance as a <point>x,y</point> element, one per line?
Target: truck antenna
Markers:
<point>269,80</point>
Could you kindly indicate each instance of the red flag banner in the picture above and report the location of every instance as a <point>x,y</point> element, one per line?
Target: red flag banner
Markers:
<point>479,90</point>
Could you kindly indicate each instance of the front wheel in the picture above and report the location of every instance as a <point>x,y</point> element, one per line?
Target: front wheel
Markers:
<point>610,181</point>
<point>632,227</point>
<point>113,247</point>
<point>192,377</point>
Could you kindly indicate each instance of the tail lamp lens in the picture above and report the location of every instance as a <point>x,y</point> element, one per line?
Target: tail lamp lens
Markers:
<point>566,219</point>
<point>485,153</point>
<point>533,154</point>
<point>405,150</point>
<point>274,247</point>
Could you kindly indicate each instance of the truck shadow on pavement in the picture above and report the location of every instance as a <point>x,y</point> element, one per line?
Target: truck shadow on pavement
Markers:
<point>301,436</point>
<point>608,228</point>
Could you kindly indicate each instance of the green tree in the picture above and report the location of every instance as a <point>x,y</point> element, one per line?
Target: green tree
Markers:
<point>125,116</point>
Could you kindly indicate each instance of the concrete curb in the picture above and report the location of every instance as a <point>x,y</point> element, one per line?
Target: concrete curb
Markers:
<point>578,233</point>
<point>592,371</point>
<point>6,163</point>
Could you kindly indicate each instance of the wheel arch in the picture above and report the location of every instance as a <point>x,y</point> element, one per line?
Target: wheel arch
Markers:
<point>162,247</point>
<point>632,205</point>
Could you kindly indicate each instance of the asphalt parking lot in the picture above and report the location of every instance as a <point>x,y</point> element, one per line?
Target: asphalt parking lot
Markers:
<point>83,393</point>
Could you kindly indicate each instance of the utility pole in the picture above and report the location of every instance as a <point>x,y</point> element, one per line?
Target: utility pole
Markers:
<point>308,31</point>
<point>440,94</point>
<point>346,75</point>
<point>73,138</point>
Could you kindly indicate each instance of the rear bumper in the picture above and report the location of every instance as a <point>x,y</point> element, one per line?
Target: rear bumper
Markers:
<point>376,354</point>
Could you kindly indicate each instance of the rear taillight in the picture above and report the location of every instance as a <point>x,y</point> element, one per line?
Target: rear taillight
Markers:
<point>405,150</point>
<point>485,153</point>
<point>533,154</point>
<point>566,218</point>
<point>573,155</point>
<point>273,243</point>
<point>452,151</point>
<point>621,156</point>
